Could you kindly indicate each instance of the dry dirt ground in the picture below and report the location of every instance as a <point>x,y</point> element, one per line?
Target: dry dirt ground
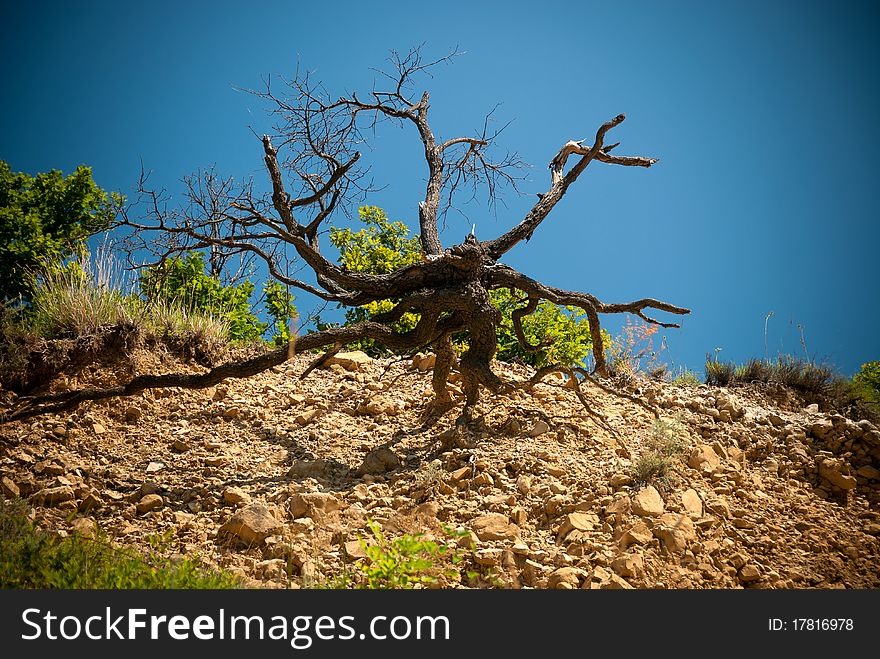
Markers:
<point>276,478</point>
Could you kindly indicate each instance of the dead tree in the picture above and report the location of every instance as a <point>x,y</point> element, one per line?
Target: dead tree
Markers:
<point>313,164</point>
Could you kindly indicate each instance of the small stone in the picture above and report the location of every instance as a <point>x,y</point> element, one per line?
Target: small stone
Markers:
<point>461,474</point>
<point>468,540</point>
<point>309,469</point>
<point>133,414</point>
<point>692,503</point>
<point>519,515</point>
<point>867,471</point>
<point>539,428</point>
<point>306,417</point>
<point>488,557</point>
<point>637,534</point>
<point>749,574</point>
<point>530,572</point>
<point>235,495</point>
<point>620,480</point>
<point>378,461</point>
<point>524,484</point>
<point>59,431</point>
<point>9,489</point>
<point>154,467</point>
<point>566,576</point>
<point>494,526</point>
<point>252,524</point>
<point>52,496</point>
<point>98,429</point>
<point>812,408</point>
<point>831,470</point>
<point>354,549</point>
<point>180,446</point>
<point>84,526</point>
<point>424,362</point>
<point>704,458</point>
<point>89,502</point>
<point>230,413</point>
<point>675,531</point>
<point>577,522</point>
<point>149,502</point>
<point>350,361</point>
<point>648,502</point>
<point>313,504</point>
<point>629,565</point>
<point>520,549</point>
<point>215,461</point>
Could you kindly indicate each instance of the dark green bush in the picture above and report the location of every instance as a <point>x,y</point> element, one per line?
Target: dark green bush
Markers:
<point>383,246</point>
<point>30,558</point>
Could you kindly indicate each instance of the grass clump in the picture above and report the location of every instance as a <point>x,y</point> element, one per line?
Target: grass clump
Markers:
<point>795,373</point>
<point>664,450</point>
<point>687,378</point>
<point>34,559</point>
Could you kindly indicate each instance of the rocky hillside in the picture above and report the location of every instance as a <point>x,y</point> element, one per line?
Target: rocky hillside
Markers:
<point>275,478</point>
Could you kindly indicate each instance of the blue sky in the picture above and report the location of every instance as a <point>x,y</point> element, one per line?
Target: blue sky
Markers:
<point>762,115</point>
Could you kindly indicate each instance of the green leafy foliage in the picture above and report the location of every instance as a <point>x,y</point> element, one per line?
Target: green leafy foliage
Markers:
<point>279,306</point>
<point>182,281</point>
<point>867,382</point>
<point>563,332</point>
<point>45,219</point>
<point>383,246</point>
<point>405,562</point>
<point>30,558</point>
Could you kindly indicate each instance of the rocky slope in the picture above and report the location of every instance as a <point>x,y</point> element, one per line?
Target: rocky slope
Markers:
<point>275,478</point>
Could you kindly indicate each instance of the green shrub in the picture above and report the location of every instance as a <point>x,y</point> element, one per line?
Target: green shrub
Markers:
<point>182,282</point>
<point>867,382</point>
<point>45,219</point>
<point>383,246</point>
<point>30,558</point>
<point>405,562</point>
<point>279,307</point>
<point>563,332</point>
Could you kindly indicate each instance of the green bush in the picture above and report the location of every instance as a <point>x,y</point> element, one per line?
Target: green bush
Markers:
<point>45,219</point>
<point>383,246</point>
<point>30,558</point>
<point>404,562</point>
<point>867,382</point>
<point>182,282</point>
<point>563,332</point>
<point>279,307</point>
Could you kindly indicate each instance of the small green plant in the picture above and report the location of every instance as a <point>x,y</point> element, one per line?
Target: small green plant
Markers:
<point>279,307</point>
<point>665,448</point>
<point>405,562</point>
<point>687,378</point>
<point>31,558</point>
